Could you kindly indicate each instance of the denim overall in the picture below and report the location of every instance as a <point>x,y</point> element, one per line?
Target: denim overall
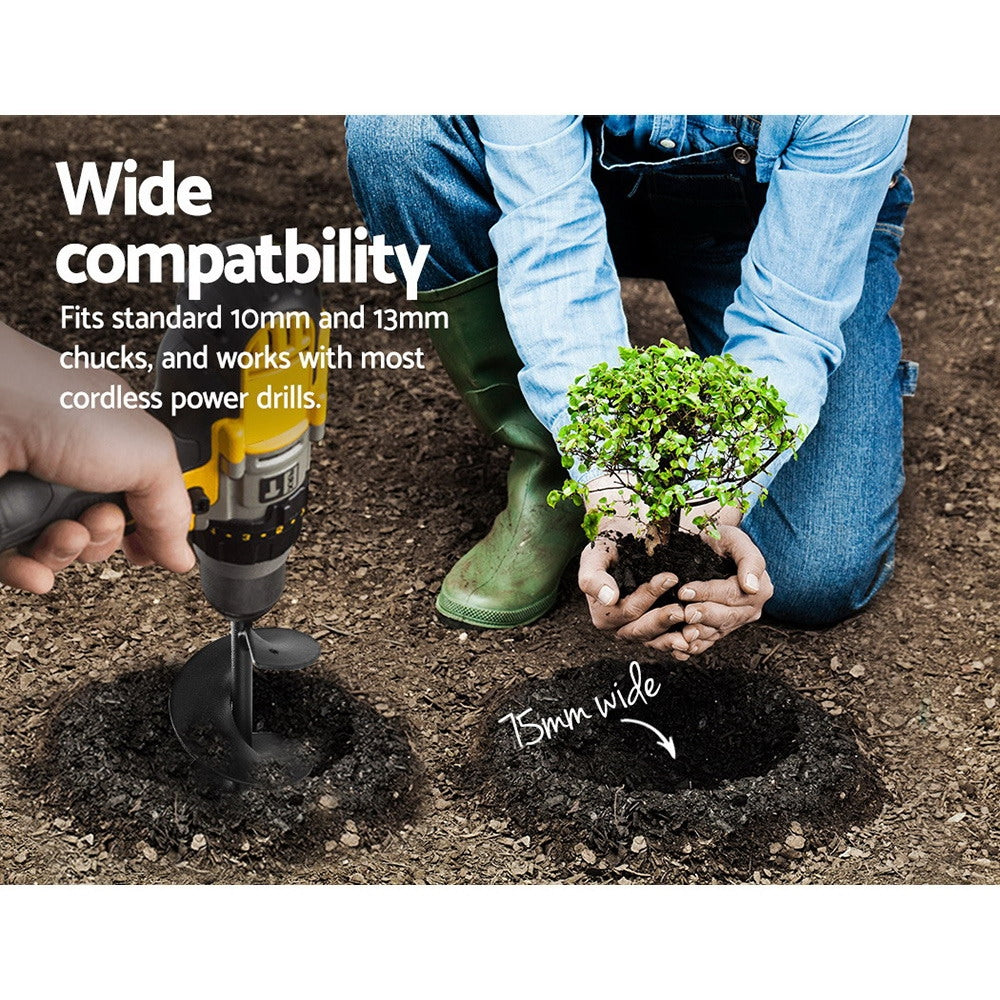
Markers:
<point>827,528</point>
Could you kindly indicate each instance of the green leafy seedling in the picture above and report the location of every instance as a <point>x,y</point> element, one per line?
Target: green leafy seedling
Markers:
<point>676,432</point>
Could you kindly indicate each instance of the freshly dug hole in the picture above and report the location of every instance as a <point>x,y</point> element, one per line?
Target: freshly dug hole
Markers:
<point>752,756</point>
<point>110,757</point>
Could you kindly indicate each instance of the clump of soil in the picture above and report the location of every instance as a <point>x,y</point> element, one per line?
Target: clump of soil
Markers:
<point>111,758</point>
<point>752,756</point>
<point>686,556</point>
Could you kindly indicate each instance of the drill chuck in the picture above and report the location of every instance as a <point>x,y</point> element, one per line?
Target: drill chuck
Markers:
<point>241,591</point>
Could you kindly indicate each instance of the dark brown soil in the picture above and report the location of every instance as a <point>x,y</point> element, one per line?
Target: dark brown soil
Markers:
<point>110,758</point>
<point>404,483</point>
<point>747,758</point>
<point>686,556</point>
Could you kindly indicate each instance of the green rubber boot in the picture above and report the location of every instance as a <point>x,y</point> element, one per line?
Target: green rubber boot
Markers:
<point>512,576</point>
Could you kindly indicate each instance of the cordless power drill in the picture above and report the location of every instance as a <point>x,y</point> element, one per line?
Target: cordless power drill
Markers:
<point>246,454</point>
<point>241,392</point>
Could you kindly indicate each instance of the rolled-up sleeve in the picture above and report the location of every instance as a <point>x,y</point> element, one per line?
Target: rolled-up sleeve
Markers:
<point>558,285</point>
<point>804,271</point>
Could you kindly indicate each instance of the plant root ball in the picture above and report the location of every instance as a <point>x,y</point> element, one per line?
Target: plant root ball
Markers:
<point>686,556</point>
<point>752,756</point>
<point>110,757</point>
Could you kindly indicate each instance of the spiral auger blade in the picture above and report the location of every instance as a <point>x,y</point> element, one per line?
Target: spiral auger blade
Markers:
<point>211,707</point>
<point>282,649</point>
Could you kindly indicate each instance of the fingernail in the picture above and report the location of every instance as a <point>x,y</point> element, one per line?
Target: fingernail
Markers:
<point>695,617</point>
<point>752,583</point>
<point>606,595</point>
<point>687,594</point>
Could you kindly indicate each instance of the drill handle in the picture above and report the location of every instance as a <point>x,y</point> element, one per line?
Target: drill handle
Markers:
<point>28,506</point>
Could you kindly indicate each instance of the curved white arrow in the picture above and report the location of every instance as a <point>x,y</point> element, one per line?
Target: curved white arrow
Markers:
<point>667,742</point>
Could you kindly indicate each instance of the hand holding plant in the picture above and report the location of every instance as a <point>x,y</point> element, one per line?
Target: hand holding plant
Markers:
<point>674,435</point>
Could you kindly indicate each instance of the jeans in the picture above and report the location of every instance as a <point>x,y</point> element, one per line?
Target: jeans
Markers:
<point>828,526</point>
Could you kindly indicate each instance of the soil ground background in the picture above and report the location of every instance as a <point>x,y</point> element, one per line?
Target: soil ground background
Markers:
<point>404,483</point>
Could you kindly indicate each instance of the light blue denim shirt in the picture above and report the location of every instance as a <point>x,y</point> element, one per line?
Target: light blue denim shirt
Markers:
<point>801,278</point>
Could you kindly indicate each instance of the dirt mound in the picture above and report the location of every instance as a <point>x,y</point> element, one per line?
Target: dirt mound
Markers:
<point>674,753</point>
<point>111,759</point>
